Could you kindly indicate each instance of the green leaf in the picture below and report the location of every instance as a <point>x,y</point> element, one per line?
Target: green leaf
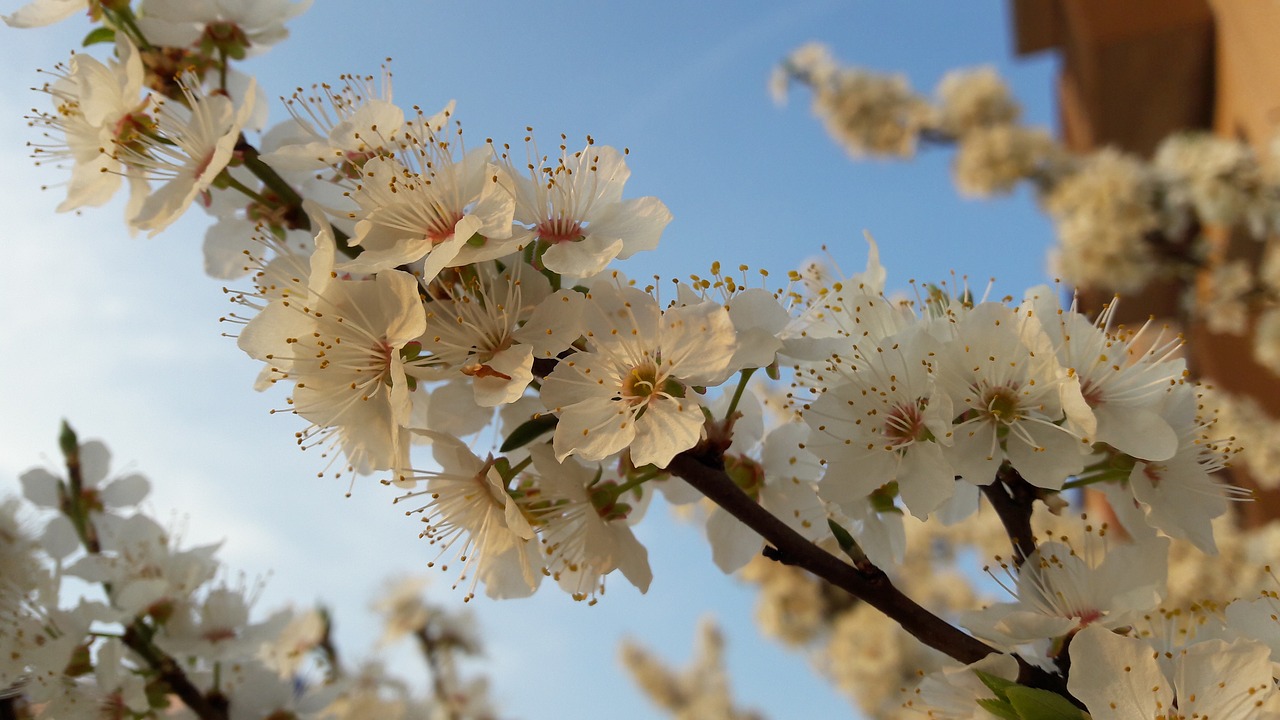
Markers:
<point>997,684</point>
<point>529,431</point>
<point>1035,704</point>
<point>999,708</point>
<point>846,541</point>
<point>99,35</point>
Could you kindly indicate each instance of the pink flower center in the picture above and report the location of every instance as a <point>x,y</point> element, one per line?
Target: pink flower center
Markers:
<point>559,230</point>
<point>441,227</point>
<point>905,423</point>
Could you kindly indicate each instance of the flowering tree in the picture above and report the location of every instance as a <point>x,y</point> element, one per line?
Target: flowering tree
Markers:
<point>420,298</point>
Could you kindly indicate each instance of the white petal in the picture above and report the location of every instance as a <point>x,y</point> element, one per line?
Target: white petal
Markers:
<point>1116,677</point>
<point>632,558</point>
<point>594,429</point>
<point>733,544</point>
<point>582,258</point>
<point>228,245</point>
<point>59,538</point>
<point>925,479</point>
<point>1054,456</point>
<point>668,427</point>
<point>40,487</point>
<point>516,362</point>
<point>1136,431</point>
<point>126,491</point>
<point>1217,680</point>
<point>39,13</point>
<point>637,223</point>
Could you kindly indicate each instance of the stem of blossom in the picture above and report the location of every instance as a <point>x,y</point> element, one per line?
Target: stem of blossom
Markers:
<point>1012,497</point>
<point>867,582</point>
<point>440,678</point>
<point>328,649</point>
<point>123,19</point>
<point>74,508</point>
<point>289,197</point>
<point>635,482</point>
<point>235,184</point>
<point>743,377</point>
<point>222,69</point>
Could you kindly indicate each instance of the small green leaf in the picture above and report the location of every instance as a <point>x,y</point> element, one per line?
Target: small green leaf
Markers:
<point>99,35</point>
<point>529,431</point>
<point>846,541</point>
<point>997,684</point>
<point>1035,704</point>
<point>999,708</point>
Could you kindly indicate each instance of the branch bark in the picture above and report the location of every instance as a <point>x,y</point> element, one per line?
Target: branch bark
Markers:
<point>867,582</point>
<point>212,707</point>
<point>1012,498</point>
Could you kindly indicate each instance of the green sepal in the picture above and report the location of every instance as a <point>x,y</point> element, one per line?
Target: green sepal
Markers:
<point>528,431</point>
<point>99,35</point>
<point>997,684</point>
<point>1036,704</point>
<point>882,498</point>
<point>772,371</point>
<point>999,708</point>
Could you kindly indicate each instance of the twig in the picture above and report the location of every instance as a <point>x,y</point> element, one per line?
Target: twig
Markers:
<point>1012,497</point>
<point>213,707</point>
<point>439,682</point>
<point>867,582</point>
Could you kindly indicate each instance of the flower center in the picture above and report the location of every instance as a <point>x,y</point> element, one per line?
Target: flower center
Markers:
<point>1092,393</point>
<point>559,230</point>
<point>440,226</point>
<point>905,423</point>
<point>644,381</point>
<point>1002,404</point>
<point>640,383</point>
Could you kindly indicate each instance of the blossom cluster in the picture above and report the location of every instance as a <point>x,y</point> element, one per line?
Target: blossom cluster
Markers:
<point>104,613</point>
<point>408,290</point>
<point>1122,221</point>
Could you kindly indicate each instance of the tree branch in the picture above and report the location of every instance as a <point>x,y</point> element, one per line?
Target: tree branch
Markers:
<point>213,707</point>
<point>1012,498</point>
<point>867,582</point>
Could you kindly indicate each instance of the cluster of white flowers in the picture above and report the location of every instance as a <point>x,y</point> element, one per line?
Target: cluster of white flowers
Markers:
<point>869,114</point>
<point>1122,221</point>
<point>408,290</point>
<point>699,693</point>
<point>103,614</point>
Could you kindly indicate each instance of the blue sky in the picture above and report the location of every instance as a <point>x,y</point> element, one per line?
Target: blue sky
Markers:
<point>120,334</point>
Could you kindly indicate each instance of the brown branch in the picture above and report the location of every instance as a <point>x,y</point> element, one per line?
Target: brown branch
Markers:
<point>866,582</point>
<point>1012,498</point>
<point>440,679</point>
<point>215,706</point>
